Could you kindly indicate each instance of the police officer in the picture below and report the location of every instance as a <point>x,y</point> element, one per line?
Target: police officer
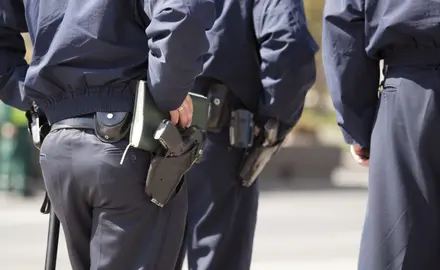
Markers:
<point>263,53</point>
<point>87,58</point>
<point>398,133</point>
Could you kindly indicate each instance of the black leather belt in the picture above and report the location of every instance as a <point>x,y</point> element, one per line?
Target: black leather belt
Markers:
<point>412,57</point>
<point>80,122</point>
<point>108,127</point>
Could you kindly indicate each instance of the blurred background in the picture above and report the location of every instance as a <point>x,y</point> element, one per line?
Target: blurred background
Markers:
<point>312,201</point>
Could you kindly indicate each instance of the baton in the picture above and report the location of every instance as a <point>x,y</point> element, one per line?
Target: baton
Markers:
<point>53,234</point>
<point>38,128</point>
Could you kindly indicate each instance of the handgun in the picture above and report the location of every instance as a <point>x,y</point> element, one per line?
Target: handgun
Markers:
<point>169,137</point>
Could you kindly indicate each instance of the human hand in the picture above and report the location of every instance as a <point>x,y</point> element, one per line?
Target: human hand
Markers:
<point>361,155</point>
<point>183,115</point>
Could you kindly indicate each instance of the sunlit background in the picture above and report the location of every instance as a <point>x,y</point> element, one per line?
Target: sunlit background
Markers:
<point>312,200</point>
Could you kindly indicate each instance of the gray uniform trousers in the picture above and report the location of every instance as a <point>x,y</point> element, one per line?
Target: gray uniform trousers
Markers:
<point>402,225</point>
<point>108,221</point>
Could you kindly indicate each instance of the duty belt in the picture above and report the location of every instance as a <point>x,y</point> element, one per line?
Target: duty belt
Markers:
<point>109,127</point>
<point>81,122</point>
<point>412,57</point>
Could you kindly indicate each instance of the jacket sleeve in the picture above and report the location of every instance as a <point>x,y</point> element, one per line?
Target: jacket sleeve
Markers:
<point>287,58</point>
<point>352,76</point>
<point>178,45</point>
<point>13,66</point>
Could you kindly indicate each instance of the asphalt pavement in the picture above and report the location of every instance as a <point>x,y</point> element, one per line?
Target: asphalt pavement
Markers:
<point>297,230</point>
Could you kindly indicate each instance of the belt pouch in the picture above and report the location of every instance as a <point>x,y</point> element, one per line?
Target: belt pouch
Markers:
<point>111,127</point>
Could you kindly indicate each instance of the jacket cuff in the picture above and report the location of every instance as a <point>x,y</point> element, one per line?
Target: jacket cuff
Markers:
<point>351,141</point>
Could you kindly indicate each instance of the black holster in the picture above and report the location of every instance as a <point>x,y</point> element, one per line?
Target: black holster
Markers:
<point>219,112</point>
<point>260,143</point>
<point>226,111</point>
<point>181,150</point>
<point>255,160</point>
<point>267,143</point>
<point>166,175</point>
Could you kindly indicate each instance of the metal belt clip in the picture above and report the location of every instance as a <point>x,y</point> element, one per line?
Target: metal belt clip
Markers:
<point>38,126</point>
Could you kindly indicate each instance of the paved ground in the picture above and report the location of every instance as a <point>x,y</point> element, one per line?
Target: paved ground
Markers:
<point>304,230</point>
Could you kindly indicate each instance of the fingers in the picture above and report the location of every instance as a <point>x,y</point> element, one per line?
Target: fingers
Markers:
<point>361,161</point>
<point>353,151</point>
<point>189,106</point>
<point>174,115</point>
<point>189,103</point>
<point>358,158</point>
<point>183,116</point>
<point>365,163</point>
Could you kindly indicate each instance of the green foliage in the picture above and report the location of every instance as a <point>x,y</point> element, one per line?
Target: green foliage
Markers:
<point>314,9</point>
<point>314,118</point>
<point>311,121</point>
<point>27,41</point>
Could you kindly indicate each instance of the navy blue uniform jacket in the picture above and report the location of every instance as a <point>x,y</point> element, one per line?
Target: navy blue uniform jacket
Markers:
<point>263,52</point>
<point>357,34</point>
<point>88,54</point>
